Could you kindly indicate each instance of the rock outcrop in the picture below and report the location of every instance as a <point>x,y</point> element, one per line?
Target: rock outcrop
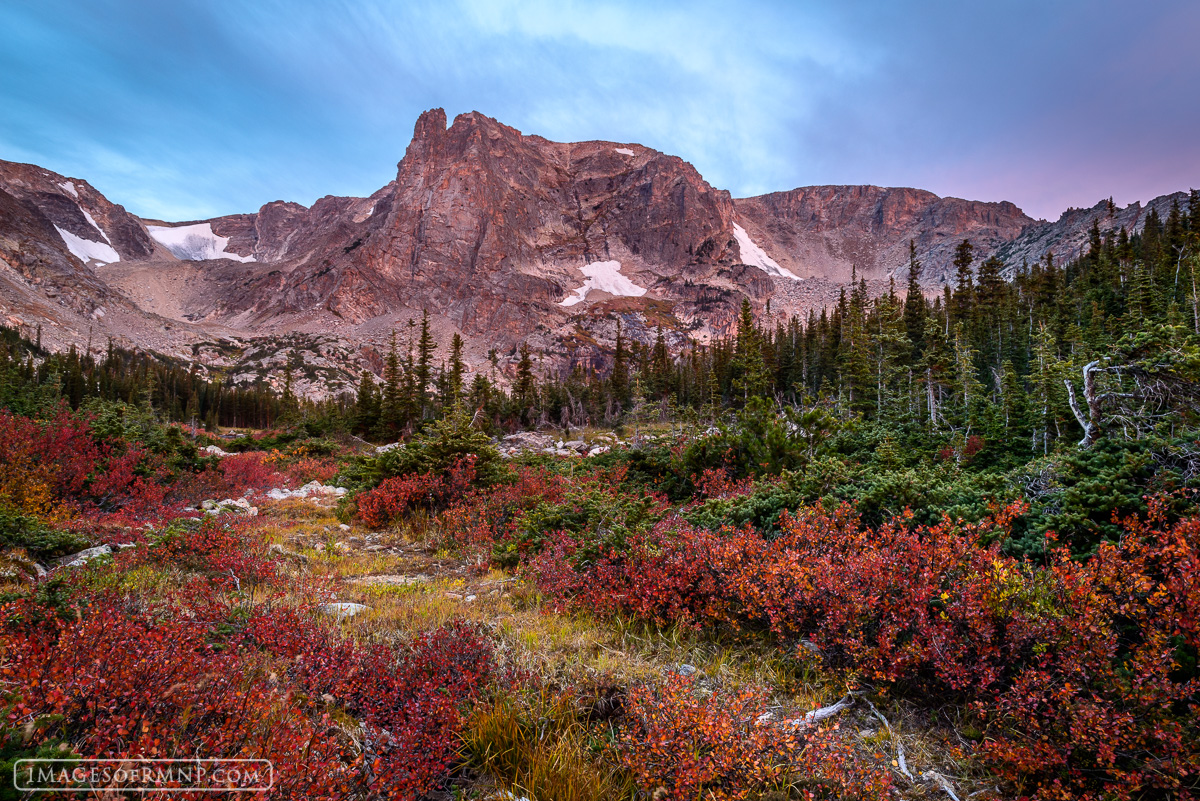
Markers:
<point>828,231</point>
<point>502,237</point>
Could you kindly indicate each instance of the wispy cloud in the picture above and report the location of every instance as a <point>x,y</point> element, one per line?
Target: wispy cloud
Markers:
<point>201,107</point>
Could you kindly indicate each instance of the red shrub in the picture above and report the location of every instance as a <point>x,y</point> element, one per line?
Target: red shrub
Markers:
<point>716,483</point>
<point>717,747</point>
<point>479,518</point>
<point>253,471</point>
<point>194,676</point>
<point>1081,673</point>
<point>309,469</point>
<point>389,501</point>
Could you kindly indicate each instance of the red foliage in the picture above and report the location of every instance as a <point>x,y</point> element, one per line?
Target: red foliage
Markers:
<point>56,468</point>
<point>718,747</point>
<point>249,472</point>
<point>199,672</point>
<point>387,503</point>
<point>716,483</point>
<point>482,517</point>
<point>309,468</point>
<point>1078,672</point>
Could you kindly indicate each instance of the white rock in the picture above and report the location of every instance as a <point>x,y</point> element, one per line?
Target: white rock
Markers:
<point>213,450</point>
<point>343,609</point>
<point>391,446</point>
<point>83,557</point>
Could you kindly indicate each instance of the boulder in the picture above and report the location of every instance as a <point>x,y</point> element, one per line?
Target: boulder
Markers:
<point>83,557</point>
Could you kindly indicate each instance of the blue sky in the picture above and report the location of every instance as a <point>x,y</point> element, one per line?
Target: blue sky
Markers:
<point>193,108</point>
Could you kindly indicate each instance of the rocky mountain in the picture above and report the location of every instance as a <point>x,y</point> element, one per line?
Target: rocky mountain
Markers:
<point>503,237</point>
<point>825,231</point>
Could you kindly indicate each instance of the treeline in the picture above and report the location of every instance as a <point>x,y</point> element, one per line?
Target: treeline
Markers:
<point>33,379</point>
<point>999,355</point>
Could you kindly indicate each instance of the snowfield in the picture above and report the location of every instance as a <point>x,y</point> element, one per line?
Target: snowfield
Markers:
<point>605,276</point>
<point>755,256</point>
<point>69,187</point>
<point>194,242</point>
<point>624,151</point>
<point>94,225</point>
<point>86,250</point>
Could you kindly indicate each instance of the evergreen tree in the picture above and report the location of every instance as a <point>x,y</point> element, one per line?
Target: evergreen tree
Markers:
<point>424,368</point>
<point>915,308</point>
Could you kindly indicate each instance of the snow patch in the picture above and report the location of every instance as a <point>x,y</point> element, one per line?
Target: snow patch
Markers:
<point>93,224</point>
<point>69,187</point>
<point>194,242</point>
<point>624,151</point>
<point>605,276</point>
<point>86,250</point>
<point>755,256</point>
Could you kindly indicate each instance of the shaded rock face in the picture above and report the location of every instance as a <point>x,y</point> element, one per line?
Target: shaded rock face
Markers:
<point>1067,237</point>
<point>67,203</point>
<point>828,231</point>
<point>489,228</point>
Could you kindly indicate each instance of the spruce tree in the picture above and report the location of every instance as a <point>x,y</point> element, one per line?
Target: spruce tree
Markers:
<point>391,412</point>
<point>424,368</point>
<point>915,308</point>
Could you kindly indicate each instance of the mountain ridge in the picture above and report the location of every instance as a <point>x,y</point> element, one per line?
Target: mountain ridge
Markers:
<point>489,229</point>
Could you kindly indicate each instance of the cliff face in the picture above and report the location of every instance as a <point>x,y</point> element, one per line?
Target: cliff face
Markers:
<point>825,231</point>
<point>502,237</point>
<point>491,229</point>
<point>1067,237</point>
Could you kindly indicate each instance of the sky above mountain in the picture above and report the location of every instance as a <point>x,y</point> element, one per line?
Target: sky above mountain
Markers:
<point>193,108</point>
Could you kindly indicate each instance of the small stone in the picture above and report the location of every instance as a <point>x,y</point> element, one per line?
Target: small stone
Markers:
<point>343,609</point>
<point>686,670</point>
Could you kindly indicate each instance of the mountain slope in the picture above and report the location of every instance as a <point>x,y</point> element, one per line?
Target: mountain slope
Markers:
<point>502,237</point>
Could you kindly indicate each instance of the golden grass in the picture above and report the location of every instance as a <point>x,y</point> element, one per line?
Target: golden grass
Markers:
<point>538,748</point>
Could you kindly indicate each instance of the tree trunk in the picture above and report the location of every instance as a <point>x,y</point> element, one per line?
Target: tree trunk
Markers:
<point>1090,424</point>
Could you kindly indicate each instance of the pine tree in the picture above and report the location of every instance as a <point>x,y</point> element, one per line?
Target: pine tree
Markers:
<point>366,406</point>
<point>391,411</point>
<point>525,387</point>
<point>964,255</point>
<point>749,377</point>
<point>915,308</point>
<point>424,368</point>
<point>457,368</point>
<point>619,379</point>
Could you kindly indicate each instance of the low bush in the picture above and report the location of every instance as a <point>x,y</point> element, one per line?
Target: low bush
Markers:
<point>719,745</point>
<point>1082,675</point>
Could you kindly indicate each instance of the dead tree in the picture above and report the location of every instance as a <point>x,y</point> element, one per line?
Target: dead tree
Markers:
<point>1146,393</point>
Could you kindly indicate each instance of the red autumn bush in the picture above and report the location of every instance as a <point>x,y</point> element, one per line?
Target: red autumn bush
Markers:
<point>1082,675</point>
<point>393,497</point>
<point>717,483</point>
<point>56,469</point>
<point>717,747</point>
<point>251,472</point>
<point>190,675</point>
<point>310,468</point>
<point>386,503</point>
